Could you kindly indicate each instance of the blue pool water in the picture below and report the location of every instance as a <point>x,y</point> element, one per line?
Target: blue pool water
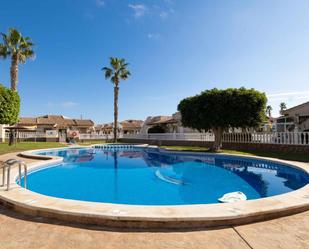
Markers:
<point>147,177</point>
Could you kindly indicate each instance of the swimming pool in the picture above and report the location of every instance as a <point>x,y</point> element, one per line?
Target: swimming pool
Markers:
<point>143,176</point>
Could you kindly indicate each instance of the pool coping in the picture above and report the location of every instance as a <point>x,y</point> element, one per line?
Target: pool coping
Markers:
<point>141,216</point>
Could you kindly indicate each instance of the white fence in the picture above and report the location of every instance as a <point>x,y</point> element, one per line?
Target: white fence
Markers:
<point>292,138</point>
<point>35,135</point>
<point>26,135</point>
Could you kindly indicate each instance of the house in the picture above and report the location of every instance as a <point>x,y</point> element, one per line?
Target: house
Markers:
<point>105,129</point>
<point>165,124</point>
<point>56,126</point>
<point>130,126</point>
<point>295,119</point>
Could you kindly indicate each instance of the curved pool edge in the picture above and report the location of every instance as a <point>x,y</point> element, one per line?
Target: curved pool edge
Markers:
<point>167,217</point>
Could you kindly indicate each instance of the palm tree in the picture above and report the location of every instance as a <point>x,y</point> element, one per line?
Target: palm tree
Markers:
<point>269,110</point>
<point>118,71</point>
<point>19,48</point>
<point>282,107</point>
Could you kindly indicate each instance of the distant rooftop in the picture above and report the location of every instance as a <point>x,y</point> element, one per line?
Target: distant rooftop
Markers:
<point>55,120</point>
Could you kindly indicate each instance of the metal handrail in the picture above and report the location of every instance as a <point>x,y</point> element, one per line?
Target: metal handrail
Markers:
<point>7,166</point>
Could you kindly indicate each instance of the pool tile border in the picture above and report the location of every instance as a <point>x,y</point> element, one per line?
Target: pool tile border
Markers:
<point>153,217</point>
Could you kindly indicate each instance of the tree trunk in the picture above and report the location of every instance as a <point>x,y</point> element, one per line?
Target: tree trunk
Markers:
<point>218,132</point>
<point>14,72</point>
<point>11,138</point>
<point>116,90</point>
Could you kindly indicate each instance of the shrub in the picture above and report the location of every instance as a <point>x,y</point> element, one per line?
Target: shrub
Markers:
<point>9,106</point>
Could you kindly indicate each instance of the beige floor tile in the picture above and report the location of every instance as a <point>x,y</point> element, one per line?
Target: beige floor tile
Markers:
<point>16,231</point>
<point>290,232</point>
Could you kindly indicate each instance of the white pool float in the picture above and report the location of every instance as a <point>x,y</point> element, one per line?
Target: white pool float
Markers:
<point>233,197</point>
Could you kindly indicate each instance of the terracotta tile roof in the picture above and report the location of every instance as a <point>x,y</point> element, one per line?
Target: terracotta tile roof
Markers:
<point>83,122</point>
<point>127,124</point>
<point>161,120</point>
<point>55,120</point>
<point>27,121</point>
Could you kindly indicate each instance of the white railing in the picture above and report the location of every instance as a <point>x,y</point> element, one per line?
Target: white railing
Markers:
<point>292,138</point>
<point>289,138</point>
<point>35,135</point>
<point>25,135</point>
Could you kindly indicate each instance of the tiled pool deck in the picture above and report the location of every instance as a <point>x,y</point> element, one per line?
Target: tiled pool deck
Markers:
<point>18,230</point>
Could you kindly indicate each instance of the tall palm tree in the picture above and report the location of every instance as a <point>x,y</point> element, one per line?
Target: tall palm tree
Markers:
<point>19,48</point>
<point>118,71</point>
<point>269,110</point>
<point>282,107</point>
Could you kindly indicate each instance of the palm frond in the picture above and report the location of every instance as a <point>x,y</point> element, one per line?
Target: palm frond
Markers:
<point>117,71</point>
<point>4,51</point>
<point>108,72</point>
<point>16,44</point>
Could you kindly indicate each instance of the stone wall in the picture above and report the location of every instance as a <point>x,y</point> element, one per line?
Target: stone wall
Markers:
<point>229,146</point>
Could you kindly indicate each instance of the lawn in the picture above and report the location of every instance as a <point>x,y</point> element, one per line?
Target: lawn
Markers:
<point>22,146</point>
<point>91,142</point>
<point>301,157</point>
<point>5,148</point>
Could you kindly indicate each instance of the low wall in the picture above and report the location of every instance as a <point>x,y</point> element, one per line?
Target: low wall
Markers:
<point>39,139</point>
<point>166,142</point>
<point>225,145</point>
<point>267,147</point>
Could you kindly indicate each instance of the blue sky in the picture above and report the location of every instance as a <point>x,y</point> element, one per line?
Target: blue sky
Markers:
<point>176,48</point>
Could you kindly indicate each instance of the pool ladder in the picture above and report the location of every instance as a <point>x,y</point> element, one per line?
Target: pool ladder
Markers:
<point>6,168</point>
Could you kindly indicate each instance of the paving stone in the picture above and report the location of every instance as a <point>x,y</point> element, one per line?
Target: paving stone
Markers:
<point>19,231</point>
<point>291,232</point>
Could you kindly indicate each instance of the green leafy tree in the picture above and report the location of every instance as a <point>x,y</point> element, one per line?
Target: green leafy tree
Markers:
<point>218,110</point>
<point>19,48</point>
<point>269,110</point>
<point>282,107</point>
<point>117,71</point>
<point>9,106</point>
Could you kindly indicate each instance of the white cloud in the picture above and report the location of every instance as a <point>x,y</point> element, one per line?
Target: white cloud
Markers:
<point>100,3</point>
<point>64,104</point>
<point>163,14</point>
<point>68,104</point>
<point>138,9</point>
<point>290,98</point>
<point>154,36</point>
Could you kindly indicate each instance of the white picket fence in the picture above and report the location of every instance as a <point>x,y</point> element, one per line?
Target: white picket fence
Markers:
<point>292,138</point>
<point>25,135</point>
<point>173,136</point>
<point>35,135</point>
